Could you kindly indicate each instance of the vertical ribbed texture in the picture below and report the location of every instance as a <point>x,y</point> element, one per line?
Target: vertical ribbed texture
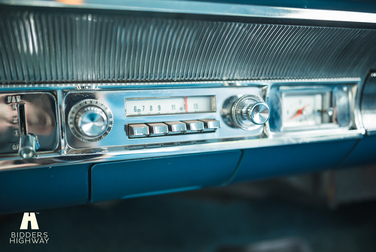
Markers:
<point>368,103</point>
<point>38,47</point>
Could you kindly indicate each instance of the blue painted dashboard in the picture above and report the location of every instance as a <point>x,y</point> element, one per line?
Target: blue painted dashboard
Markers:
<point>45,187</point>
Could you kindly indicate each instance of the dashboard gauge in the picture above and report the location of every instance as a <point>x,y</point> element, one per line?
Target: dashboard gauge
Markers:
<point>307,108</point>
<point>310,109</point>
<point>302,110</point>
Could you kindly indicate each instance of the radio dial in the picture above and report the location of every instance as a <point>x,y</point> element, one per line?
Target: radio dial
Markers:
<point>90,120</point>
<point>258,113</point>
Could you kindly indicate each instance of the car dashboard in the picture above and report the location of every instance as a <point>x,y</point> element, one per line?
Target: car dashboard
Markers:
<point>103,101</point>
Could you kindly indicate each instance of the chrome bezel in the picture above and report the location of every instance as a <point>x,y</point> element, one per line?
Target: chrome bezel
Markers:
<point>279,93</point>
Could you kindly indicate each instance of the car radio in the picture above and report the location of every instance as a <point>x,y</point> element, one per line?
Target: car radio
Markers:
<point>150,117</point>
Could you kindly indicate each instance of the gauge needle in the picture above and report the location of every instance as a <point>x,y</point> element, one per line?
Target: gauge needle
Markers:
<point>300,112</point>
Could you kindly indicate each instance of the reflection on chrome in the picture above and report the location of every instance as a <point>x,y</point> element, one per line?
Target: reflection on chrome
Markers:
<point>40,114</point>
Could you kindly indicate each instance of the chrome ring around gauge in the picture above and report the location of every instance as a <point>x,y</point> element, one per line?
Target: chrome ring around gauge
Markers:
<point>90,120</point>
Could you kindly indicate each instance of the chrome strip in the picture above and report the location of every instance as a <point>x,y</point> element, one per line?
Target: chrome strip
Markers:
<point>145,85</point>
<point>121,154</point>
<point>205,8</point>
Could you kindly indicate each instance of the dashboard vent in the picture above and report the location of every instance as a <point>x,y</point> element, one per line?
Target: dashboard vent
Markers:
<point>48,47</point>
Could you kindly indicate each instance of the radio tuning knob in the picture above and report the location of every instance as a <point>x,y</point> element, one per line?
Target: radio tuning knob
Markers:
<point>258,113</point>
<point>245,112</point>
<point>90,120</point>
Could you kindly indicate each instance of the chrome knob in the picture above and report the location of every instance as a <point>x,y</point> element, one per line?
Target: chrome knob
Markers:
<point>258,113</point>
<point>246,112</point>
<point>28,146</point>
<point>90,120</point>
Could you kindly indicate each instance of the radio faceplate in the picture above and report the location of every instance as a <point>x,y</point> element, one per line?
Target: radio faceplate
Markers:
<point>198,111</point>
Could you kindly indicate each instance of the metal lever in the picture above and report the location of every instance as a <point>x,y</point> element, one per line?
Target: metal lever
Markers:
<point>28,141</point>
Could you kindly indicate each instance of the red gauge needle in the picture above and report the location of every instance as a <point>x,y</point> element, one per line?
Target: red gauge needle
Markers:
<point>186,104</point>
<point>300,112</point>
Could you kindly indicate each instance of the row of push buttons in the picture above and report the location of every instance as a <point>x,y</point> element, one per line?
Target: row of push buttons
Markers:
<point>171,128</point>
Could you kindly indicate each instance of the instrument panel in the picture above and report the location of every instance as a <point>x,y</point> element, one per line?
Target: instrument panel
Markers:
<point>118,124</point>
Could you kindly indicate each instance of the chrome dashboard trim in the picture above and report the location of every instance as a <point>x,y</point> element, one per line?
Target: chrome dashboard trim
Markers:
<point>107,154</point>
<point>165,84</point>
<point>206,8</point>
<point>122,154</point>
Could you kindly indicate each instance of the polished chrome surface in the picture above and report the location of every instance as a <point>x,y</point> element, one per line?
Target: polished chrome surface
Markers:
<point>29,143</point>
<point>179,144</point>
<point>207,8</point>
<point>158,129</point>
<point>338,98</point>
<point>258,113</point>
<point>238,111</point>
<point>194,126</point>
<point>115,101</point>
<point>176,127</point>
<point>90,120</point>
<point>211,124</point>
<point>55,47</point>
<point>103,155</point>
<point>39,117</point>
<point>28,146</point>
<point>368,104</point>
<point>137,130</point>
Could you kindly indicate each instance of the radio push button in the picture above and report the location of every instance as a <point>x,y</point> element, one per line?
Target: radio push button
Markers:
<point>210,125</point>
<point>138,130</point>
<point>157,129</point>
<point>176,127</point>
<point>194,126</point>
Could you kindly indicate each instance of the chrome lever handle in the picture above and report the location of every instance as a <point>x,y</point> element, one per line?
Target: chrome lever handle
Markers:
<point>29,143</point>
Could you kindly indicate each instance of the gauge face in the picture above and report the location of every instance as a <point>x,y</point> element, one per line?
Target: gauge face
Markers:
<point>171,105</point>
<point>301,110</point>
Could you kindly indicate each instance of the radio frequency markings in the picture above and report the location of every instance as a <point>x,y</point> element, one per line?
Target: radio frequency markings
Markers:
<point>186,104</point>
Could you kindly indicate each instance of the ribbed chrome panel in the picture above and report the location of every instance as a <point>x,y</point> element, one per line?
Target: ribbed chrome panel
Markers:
<point>38,47</point>
<point>368,103</point>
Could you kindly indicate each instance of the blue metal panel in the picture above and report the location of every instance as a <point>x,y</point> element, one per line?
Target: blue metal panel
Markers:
<point>364,153</point>
<point>35,189</point>
<point>277,161</point>
<point>160,175</point>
